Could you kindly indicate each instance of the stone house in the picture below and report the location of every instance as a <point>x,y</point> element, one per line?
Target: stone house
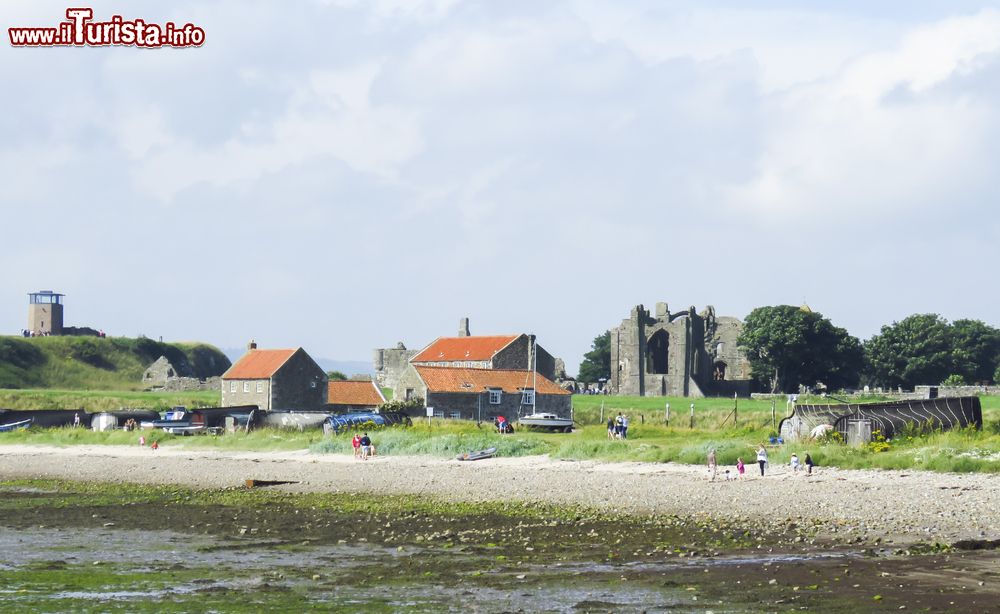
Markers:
<point>353,395</point>
<point>394,366</point>
<point>483,394</point>
<point>678,354</point>
<point>275,379</point>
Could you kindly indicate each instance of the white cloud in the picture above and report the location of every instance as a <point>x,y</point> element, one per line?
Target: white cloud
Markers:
<point>883,137</point>
<point>329,114</point>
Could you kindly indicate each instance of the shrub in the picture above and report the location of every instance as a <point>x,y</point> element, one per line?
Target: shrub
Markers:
<point>953,380</point>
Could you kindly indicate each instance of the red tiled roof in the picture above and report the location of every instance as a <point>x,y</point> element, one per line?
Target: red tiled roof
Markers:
<point>258,364</point>
<point>354,393</point>
<point>450,349</point>
<point>452,379</point>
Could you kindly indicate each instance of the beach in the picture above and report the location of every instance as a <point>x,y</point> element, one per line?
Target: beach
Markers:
<point>898,507</point>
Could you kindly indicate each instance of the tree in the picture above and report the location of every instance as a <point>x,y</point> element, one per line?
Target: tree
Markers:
<point>791,346</point>
<point>916,350</point>
<point>336,376</point>
<point>597,362</point>
<point>975,350</point>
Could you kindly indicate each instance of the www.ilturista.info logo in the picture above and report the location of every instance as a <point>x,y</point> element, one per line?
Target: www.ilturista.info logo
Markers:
<point>80,30</point>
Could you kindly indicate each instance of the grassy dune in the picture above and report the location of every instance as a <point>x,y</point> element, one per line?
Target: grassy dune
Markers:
<point>90,363</point>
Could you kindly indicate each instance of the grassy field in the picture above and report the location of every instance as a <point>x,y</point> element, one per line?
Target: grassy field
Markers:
<point>649,438</point>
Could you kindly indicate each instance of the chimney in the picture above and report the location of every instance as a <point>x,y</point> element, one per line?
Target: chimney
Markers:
<point>252,345</point>
<point>463,327</point>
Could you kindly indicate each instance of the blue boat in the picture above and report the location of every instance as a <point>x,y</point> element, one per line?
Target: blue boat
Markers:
<point>23,424</point>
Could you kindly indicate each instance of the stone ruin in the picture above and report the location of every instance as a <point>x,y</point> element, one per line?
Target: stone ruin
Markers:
<point>162,376</point>
<point>686,354</point>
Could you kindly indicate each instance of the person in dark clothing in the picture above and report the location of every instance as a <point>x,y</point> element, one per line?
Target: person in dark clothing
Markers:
<point>809,464</point>
<point>366,446</point>
<point>611,428</point>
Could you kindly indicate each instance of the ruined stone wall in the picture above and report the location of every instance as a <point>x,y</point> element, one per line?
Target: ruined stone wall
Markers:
<point>691,345</point>
<point>190,384</point>
<point>409,381</point>
<point>390,363</point>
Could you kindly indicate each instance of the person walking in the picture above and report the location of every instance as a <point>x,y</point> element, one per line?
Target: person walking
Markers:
<point>712,466</point>
<point>761,458</point>
<point>366,447</point>
<point>740,468</point>
<point>611,428</point>
<point>624,427</point>
<point>356,444</point>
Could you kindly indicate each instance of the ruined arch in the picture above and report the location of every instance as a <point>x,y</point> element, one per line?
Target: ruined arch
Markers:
<point>657,352</point>
<point>719,371</point>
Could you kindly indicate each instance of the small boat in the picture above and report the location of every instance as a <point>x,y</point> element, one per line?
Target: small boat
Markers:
<point>477,455</point>
<point>547,421</point>
<point>15,425</point>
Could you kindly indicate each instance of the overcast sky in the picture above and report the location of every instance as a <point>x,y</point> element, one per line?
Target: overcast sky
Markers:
<point>343,175</point>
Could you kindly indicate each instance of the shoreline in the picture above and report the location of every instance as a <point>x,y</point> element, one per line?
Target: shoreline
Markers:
<point>849,506</point>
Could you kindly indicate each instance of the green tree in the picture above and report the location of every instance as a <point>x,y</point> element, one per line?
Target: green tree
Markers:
<point>597,362</point>
<point>953,380</point>
<point>335,376</point>
<point>916,350</point>
<point>791,346</point>
<point>975,350</point>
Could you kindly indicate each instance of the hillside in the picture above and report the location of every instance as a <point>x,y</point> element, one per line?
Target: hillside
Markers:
<point>91,363</point>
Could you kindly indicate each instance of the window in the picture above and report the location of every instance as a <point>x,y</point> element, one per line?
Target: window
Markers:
<point>495,397</point>
<point>260,386</point>
<point>528,397</point>
<point>409,393</point>
<point>246,386</point>
<point>232,386</point>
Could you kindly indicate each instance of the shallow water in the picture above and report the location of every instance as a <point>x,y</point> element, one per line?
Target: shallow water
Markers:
<point>63,550</point>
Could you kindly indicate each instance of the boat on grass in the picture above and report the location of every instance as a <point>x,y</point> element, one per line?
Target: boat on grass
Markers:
<point>478,454</point>
<point>23,424</point>
<point>547,421</point>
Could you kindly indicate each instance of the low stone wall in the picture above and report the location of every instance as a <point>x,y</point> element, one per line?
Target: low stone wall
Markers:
<point>190,384</point>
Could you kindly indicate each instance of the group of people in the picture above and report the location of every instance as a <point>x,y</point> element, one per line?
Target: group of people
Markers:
<point>618,427</point>
<point>740,472</point>
<point>363,446</point>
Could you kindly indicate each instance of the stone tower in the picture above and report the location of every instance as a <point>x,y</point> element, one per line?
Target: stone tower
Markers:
<point>45,313</point>
<point>463,327</point>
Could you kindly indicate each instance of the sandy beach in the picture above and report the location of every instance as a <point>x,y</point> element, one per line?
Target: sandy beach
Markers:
<point>897,506</point>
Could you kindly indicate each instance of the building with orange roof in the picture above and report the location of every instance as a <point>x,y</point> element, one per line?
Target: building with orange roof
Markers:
<point>353,394</point>
<point>394,367</point>
<point>484,394</point>
<point>275,379</point>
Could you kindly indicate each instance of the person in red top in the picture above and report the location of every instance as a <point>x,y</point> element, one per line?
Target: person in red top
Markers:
<point>356,442</point>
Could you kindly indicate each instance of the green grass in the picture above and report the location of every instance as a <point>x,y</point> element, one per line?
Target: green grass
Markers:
<point>649,438</point>
<point>104,400</point>
<point>90,363</point>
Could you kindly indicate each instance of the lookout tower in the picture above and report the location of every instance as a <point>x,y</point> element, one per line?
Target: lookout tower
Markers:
<point>45,312</point>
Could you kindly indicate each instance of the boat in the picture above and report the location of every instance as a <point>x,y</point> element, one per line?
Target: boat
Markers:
<point>547,421</point>
<point>15,425</point>
<point>477,455</point>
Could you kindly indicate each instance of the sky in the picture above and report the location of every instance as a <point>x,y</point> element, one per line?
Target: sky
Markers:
<point>342,175</point>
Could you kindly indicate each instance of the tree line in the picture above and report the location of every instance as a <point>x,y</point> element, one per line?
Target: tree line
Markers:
<point>789,347</point>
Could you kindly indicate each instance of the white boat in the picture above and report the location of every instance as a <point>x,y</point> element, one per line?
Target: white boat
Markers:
<point>547,421</point>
